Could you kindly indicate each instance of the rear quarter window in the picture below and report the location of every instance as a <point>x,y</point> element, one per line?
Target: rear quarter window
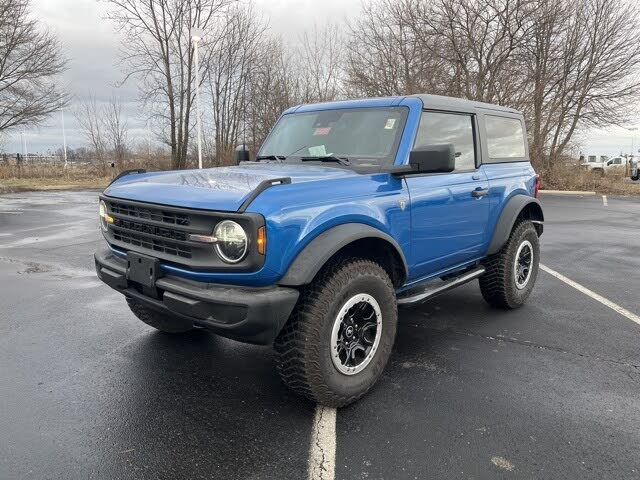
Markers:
<point>505,139</point>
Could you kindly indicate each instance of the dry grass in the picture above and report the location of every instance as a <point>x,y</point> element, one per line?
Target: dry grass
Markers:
<point>51,177</point>
<point>570,177</point>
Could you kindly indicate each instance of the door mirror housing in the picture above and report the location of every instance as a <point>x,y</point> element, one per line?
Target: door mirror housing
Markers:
<point>241,154</point>
<point>433,159</point>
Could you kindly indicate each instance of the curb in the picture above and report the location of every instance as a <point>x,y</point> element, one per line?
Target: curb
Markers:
<point>566,192</point>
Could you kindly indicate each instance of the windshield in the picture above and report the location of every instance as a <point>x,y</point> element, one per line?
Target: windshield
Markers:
<point>362,136</point>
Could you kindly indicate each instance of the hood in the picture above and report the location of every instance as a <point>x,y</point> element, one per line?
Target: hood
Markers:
<point>223,188</point>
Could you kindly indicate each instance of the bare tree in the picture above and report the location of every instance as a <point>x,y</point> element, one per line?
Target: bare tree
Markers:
<point>157,50</point>
<point>568,64</point>
<point>30,59</point>
<point>232,61</point>
<point>272,89</point>
<point>384,55</point>
<point>584,59</point>
<point>479,42</point>
<point>321,56</point>
<point>90,120</point>
<point>117,130</point>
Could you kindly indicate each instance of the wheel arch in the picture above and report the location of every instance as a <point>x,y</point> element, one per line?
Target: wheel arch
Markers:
<point>518,207</point>
<point>350,239</point>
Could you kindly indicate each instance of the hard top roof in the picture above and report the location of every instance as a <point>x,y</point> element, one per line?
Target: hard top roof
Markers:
<point>436,102</point>
<point>440,102</point>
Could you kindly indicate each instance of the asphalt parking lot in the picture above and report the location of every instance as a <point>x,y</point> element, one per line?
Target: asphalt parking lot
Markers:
<point>548,391</point>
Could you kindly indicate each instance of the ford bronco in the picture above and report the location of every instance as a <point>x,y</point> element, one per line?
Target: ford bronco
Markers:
<point>349,210</point>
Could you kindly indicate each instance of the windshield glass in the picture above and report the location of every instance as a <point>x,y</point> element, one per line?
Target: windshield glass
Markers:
<point>361,135</point>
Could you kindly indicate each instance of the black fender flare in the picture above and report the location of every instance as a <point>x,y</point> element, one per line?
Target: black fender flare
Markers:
<point>508,217</point>
<point>312,258</point>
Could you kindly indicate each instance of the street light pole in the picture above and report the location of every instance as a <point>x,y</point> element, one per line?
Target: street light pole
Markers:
<point>196,36</point>
<point>64,138</point>
<point>631,129</point>
<point>148,140</point>
<point>24,145</point>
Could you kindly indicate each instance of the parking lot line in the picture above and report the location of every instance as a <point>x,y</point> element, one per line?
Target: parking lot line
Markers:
<point>322,454</point>
<point>613,306</point>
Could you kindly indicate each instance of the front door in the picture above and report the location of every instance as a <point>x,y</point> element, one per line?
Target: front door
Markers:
<point>449,212</point>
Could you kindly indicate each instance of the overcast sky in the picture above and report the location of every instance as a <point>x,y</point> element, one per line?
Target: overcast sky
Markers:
<point>91,44</point>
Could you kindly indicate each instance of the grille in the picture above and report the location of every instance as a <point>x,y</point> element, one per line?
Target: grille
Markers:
<point>155,244</point>
<point>162,231</point>
<point>154,229</point>
<point>155,214</point>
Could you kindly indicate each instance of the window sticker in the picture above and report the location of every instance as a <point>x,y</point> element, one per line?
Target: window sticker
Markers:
<point>322,131</point>
<point>318,151</point>
<point>391,122</point>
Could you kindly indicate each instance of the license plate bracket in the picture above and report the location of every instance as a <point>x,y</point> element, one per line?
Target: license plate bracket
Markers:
<point>142,269</point>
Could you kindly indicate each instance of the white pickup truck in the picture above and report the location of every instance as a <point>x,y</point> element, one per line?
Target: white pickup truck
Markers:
<point>602,164</point>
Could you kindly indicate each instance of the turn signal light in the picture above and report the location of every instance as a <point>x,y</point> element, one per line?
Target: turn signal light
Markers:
<point>261,241</point>
<point>536,188</point>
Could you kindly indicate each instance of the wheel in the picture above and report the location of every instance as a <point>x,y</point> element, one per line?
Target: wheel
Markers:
<point>157,320</point>
<point>340,335</point>
<point>511,273</point>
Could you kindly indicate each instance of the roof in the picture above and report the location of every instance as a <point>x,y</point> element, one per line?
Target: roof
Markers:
<point>442,102</point>
<point>437,102</point>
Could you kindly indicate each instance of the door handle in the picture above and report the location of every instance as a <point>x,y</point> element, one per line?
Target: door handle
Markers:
<point>479,192</point>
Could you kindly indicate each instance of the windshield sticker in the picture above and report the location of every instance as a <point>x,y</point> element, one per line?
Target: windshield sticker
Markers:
<point>322,131</point>
<point>390,124</point>
<point>318,151</point>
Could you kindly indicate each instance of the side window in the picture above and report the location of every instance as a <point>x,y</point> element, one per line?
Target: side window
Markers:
<point>618,161</point>
<point>438,128</point>
<point>505,137</point>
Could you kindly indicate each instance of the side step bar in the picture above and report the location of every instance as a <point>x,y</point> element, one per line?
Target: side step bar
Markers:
<point>432,290</point>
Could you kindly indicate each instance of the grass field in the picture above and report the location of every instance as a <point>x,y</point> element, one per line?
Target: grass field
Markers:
<point>52,177</point>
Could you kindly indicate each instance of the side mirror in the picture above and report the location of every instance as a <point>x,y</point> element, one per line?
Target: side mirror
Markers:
<point>433,159</point>
<point>241,154</point>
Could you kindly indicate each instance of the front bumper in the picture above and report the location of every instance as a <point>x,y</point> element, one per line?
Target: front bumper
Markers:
<point>251,315</point>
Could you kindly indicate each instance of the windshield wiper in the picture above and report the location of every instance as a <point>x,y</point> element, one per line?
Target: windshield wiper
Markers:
<point>278,158</point>
<point>327,158</point>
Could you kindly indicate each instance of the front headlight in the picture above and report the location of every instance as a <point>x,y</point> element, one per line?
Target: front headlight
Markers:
<point>231,241</point>
<point>104,216</point>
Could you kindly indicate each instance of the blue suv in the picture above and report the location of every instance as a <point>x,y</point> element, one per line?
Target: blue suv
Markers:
<point>349,210</point>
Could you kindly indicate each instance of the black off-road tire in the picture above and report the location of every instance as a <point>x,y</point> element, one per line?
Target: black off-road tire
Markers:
<point>304,344</point>
<point>498,284</point>
<point>157,320</point>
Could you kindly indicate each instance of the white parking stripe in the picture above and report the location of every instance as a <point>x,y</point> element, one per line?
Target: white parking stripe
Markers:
<point>322,454</point>
<point>604,200</point>
<point>622,311</point>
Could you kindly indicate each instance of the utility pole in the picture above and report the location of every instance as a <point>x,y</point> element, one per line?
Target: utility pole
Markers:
<point>196,36</point>
<point>632,130</point>
<point>24,145</point>
<point>148,141</point>
<point>64,138</point>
